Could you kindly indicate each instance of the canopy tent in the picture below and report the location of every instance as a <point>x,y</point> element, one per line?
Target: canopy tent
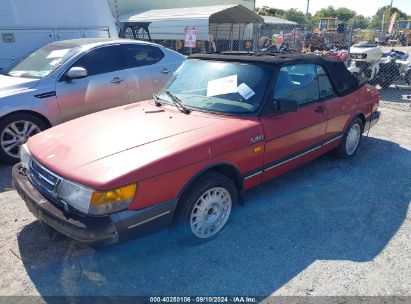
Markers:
<point>171,23</point>
<point>278,21</point>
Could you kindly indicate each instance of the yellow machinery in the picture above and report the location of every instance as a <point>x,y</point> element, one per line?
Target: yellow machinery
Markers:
<point>403,32</point>
<point>328,24</point>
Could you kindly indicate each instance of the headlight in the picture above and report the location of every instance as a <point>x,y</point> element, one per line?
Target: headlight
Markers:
<point>113,200</point>
<point>93,202</point>
<point>75,195</point>
<point>25,156</point>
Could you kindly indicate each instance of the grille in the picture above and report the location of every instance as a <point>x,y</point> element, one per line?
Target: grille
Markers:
<point>43,179</point>
<point>47,183</point>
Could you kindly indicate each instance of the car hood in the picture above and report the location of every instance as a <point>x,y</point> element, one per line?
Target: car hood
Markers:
<point>10,84</point>
<point>101,150</point>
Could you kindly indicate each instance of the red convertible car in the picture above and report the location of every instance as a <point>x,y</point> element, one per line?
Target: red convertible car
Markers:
<point>222,125</point>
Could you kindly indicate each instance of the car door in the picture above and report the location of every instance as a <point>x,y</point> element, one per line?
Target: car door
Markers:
<point>146,69</point>
<point>339,108</point>
<point>104,87</point>
<point>291,138</point>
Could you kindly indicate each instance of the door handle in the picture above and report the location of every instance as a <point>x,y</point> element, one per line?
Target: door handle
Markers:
<point>117,80</point>
<point>165,71</point>
<point>320,110</point>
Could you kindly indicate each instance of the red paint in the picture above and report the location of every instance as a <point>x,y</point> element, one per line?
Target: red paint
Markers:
<point>163,149</point>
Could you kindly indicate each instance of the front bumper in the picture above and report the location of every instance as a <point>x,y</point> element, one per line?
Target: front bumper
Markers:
<point>103,230</point>
<point>372,120</point>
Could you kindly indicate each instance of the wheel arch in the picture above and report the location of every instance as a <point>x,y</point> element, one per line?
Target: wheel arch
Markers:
<point>29,112</point>
<point>228,169</point>
<point>362,117</point>
<point>354,116</point>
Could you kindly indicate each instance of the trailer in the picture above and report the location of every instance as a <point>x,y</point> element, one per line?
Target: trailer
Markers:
<point>26,25</point>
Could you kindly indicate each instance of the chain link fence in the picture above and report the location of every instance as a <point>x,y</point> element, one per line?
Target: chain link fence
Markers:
<point>386,67</point>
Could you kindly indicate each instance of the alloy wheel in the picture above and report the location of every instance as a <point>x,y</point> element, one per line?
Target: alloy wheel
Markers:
<point>353,139</point>
<point>15,135</point>
<point>210,212</point>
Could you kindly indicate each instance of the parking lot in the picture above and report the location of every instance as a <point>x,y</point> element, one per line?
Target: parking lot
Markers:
<point>332,227</point>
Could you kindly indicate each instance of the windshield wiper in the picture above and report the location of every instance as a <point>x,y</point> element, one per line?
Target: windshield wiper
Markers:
<point>157,99</point>
<point>177,102</point>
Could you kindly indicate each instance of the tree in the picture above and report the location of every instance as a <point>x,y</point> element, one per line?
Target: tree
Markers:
<point>295,15</point>
<point>342,13</point>
<point>377,18</point>
<point>325,12</point>
<point>360,22</point>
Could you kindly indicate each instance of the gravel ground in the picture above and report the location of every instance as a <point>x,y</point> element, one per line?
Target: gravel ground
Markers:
<point>332,227</point>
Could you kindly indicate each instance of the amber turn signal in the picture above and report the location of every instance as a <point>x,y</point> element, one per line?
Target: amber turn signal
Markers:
<point>258,149</point>
<point>114,196</point>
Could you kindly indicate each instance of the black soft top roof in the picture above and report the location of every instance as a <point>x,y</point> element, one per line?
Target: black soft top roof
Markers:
<point>343,81</point>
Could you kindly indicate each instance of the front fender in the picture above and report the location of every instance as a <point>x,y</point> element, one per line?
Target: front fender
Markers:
<point>25,100</point>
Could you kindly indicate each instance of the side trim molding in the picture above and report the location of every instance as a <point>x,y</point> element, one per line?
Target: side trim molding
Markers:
<point>289,158</point>
<point>149,219</point>
<point>252,175</point>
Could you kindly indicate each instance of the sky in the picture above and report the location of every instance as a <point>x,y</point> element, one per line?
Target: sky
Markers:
<point>362,7</point>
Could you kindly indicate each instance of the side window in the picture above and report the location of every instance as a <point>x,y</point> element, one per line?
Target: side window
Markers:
<point>324,83</point>
<point>100,61</point>
<point>141,55</point>
<point>297,82</point>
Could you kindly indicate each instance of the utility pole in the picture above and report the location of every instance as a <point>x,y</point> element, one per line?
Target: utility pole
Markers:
<point>306,14</point>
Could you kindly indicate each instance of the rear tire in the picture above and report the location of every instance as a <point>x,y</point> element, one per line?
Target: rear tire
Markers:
<point>14,132</point>
<point>351,139</point>
<point>205,208</point>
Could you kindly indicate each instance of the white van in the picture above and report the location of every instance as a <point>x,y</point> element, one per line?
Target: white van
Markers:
<point>26,25</point>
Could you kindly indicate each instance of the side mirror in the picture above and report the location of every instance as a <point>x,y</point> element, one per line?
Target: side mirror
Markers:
<point>76,72</point>
<point>286,105</point>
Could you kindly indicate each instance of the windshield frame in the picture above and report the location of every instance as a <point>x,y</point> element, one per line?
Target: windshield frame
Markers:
<point>255,113</point>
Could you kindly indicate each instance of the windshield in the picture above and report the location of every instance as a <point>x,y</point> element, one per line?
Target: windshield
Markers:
<point>215,86</point>
<point>42,62</point>
<point>403,25</point>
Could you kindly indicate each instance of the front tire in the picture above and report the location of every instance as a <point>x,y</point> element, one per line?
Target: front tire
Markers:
<point>205,209</point>
<point>15,130</point>
<point>351,139</point>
